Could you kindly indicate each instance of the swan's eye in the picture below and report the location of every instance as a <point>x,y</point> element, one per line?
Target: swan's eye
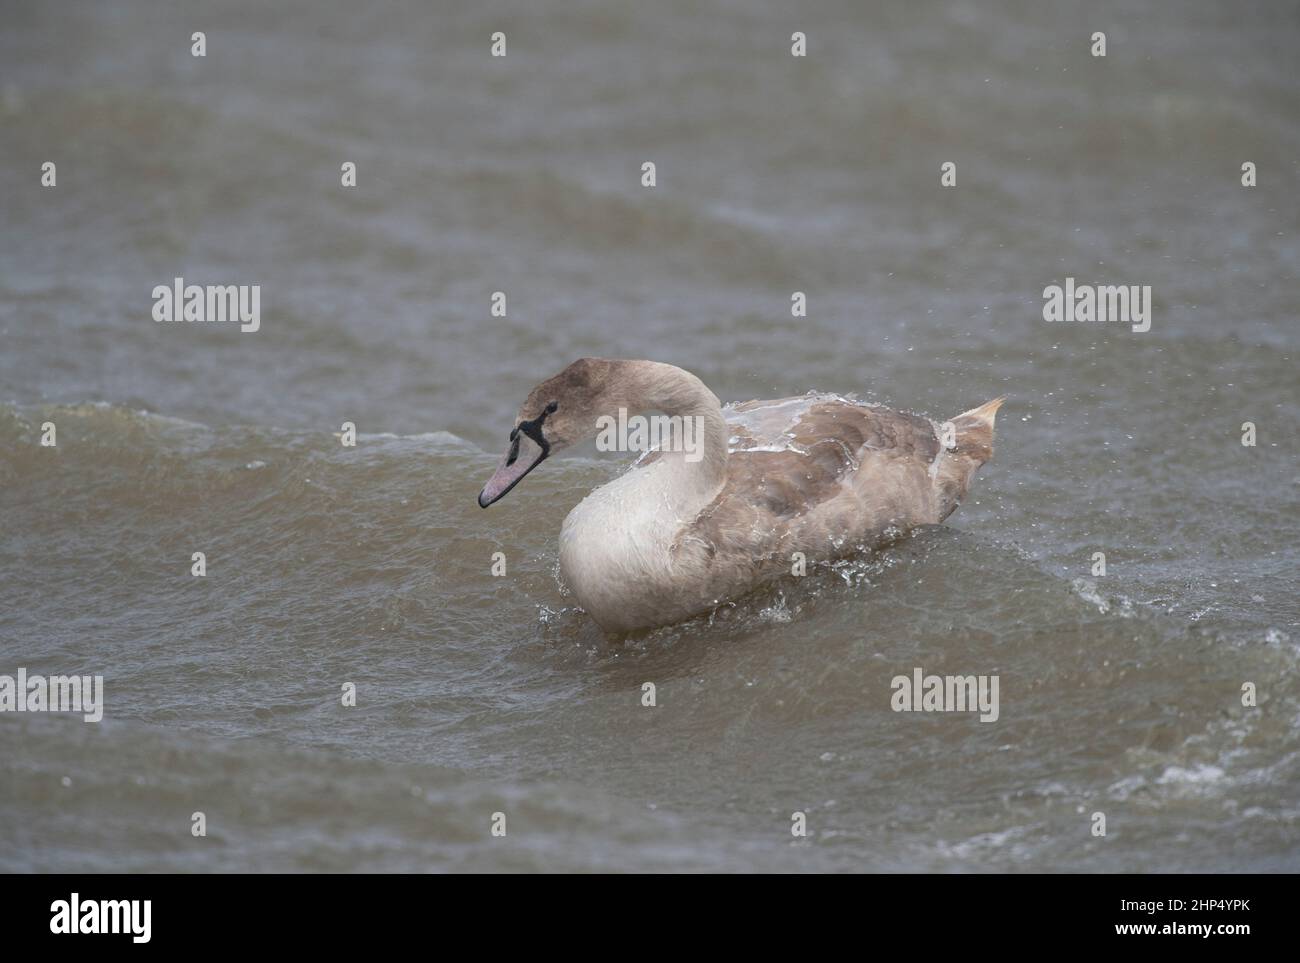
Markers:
<point>551,408</point>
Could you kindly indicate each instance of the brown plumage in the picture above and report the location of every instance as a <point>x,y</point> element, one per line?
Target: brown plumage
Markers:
<point>852,477</point>
<point>818,474</point>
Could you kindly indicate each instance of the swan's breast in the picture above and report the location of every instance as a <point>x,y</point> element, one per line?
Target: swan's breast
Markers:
<point>615,546</point>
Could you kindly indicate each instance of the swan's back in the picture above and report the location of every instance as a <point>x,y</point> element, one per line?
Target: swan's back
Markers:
<point>826,476</point>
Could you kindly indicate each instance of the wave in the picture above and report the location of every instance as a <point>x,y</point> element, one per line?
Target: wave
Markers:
<point>374,564</point>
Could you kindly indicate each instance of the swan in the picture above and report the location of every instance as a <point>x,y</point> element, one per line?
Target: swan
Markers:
<point>690,527</point>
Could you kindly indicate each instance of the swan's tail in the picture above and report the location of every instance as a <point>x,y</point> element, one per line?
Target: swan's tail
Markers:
<point>971,436</point>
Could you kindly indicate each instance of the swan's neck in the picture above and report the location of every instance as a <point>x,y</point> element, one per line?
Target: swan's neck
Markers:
<point>623,533</point>
<point>649,386</point>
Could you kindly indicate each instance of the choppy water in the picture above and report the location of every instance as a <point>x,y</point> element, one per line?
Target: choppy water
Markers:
<point>371,565</point>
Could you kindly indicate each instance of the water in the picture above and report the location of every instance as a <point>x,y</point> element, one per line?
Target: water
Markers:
<point>326,565</point>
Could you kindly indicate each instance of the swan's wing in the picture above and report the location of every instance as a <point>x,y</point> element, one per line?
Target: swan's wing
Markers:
<point>817,474</point>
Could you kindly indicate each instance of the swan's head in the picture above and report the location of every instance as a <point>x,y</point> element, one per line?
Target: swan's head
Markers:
<point>559,412</point>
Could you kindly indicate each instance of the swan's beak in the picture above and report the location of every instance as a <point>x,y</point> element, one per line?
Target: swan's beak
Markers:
<point>520,458</point>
